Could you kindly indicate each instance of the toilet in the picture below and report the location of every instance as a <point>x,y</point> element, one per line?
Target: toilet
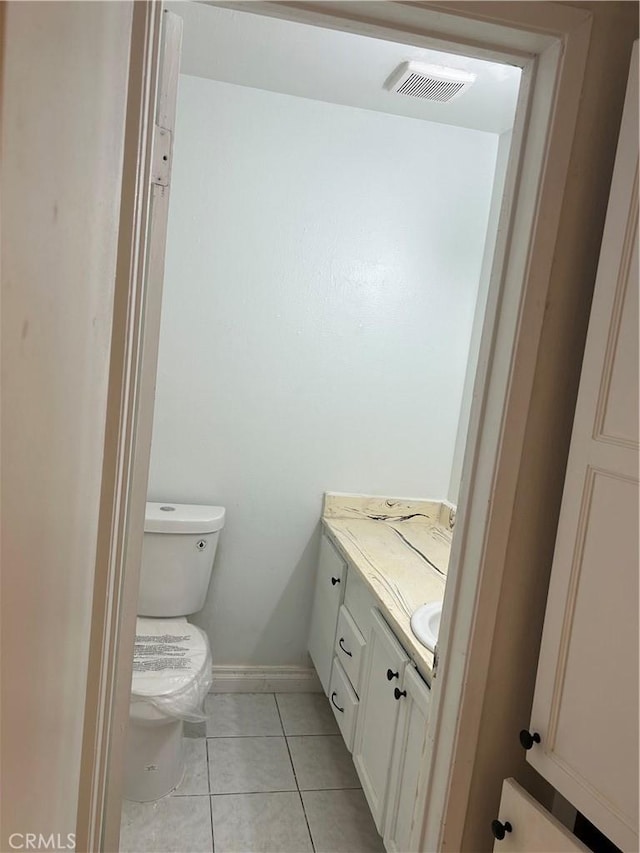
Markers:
<point>172,658</point>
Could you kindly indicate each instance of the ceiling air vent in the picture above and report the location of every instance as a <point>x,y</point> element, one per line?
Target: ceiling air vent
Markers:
<point>429,82</point>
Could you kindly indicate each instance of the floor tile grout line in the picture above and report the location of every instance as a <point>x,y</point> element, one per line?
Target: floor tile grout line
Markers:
<point>295,777</point>
<point>333,734</point>
<point>213,841</point>
<point>178,796</point>
<point>223,737</point>
<point>306,820</point>
<point>293,769</point>
<point>275,699</point>
<point>278,791</point>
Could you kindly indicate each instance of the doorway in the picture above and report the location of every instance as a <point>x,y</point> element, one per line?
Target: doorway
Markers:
<point>329,247</point>
<point>492,333</point>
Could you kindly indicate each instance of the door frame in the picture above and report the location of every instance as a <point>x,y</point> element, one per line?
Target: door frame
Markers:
<point>550,42</point>
<point>126,457</point>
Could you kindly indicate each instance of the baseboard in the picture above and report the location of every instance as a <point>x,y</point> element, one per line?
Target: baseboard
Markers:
<point>265,679</point>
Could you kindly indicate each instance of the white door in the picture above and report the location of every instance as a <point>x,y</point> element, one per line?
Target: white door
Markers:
<point>408,757</point>
<point>586,698</point>
<point>330,583</point>
<point>523,826</point>
<point>378,714</point>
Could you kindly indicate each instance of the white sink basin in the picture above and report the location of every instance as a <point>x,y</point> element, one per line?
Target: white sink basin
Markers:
<point>425,624</point>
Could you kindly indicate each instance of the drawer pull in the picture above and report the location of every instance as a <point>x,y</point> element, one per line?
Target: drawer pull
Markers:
<point>334,704</point>
<point>398,693</point>
<point>334,581</point>
<point>340,642</point>
<point>527,739</point>
<point>391,674</point>
<point>500,829</point>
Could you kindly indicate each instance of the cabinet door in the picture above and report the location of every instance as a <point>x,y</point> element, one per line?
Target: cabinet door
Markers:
<point>329,591</point>
<point>531,828</point>
<point>585,705</point>
<point>377,715</point>
<point>408,757</point>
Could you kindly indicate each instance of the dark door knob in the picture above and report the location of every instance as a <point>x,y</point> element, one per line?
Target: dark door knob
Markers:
<point>391,674</point>
<point>334,581</point>
<point>500,829</point>
<point>527,739</point>
<point>398,693</point>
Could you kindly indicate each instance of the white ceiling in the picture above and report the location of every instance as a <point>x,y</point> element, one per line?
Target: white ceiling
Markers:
<point>338,67</point>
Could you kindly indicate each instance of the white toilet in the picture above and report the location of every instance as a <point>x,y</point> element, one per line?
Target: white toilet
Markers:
<point>172,659</point>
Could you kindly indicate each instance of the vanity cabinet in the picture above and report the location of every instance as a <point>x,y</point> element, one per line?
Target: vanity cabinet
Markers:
<point>379,700</point>
<point>376,726</point>
<point>328,596</point>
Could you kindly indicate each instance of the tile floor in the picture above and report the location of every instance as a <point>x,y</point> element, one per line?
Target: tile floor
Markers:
<point>271,776</point>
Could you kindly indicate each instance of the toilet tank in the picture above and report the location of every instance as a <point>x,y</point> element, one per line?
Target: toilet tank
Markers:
<point>178,550</point>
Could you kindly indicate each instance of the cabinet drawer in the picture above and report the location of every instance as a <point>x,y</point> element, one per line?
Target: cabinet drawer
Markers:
<point>344,703</point>
<point>350,646</point>
<point>531,829</point>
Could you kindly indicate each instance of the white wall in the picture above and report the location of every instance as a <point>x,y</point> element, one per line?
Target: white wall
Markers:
<point>322,272</point>
<point>63,101</point>
<point>502,160</point>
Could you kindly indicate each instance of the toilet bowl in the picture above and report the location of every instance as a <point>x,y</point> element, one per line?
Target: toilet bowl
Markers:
<point>171,677</point>
<point>172,659</point>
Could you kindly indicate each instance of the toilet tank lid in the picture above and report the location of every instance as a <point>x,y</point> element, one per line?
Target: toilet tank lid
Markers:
<point>183,518</point>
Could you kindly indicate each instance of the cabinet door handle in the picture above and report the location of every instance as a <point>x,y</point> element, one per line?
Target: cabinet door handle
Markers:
<point>334,704</point>
<point>334,581</point>
<point>500,829</point>
<point>398,693</point>
<point>391,674</point>
<point>527,739</point>
<point>340,642</point>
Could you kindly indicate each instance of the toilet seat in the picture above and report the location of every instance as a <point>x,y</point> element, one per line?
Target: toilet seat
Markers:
<point>171,666</point>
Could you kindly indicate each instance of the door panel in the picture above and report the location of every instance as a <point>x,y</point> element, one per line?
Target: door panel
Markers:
<point>602,621</point>
<point>620,389</point>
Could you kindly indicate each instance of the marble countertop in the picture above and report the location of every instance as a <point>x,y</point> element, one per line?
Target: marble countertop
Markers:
<point>401,549</point>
